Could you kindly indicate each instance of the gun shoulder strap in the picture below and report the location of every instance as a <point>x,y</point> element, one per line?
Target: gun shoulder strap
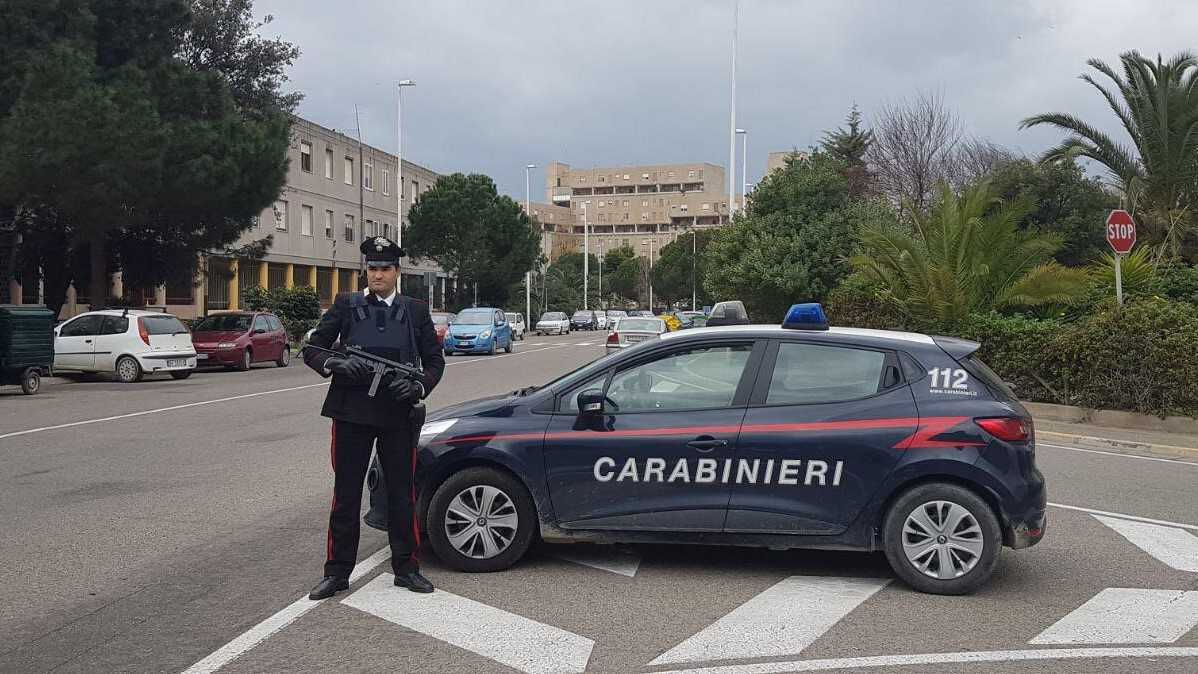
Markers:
<point>412,337</point>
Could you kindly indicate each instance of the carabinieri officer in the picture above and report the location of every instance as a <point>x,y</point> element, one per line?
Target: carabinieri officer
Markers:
<point>387,324</point>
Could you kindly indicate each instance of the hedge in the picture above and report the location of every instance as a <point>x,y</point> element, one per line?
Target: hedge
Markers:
<point>1142,357</point>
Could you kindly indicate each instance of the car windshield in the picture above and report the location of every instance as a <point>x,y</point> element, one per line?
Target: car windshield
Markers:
<point>553,316</point>
<point>639,324</point>
<point>225,323</point>
<point>440,319</point>
<point>582,314</point>
<point>474,318</point>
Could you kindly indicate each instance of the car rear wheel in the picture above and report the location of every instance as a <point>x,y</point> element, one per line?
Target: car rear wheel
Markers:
<point>480,520</point>
<point>942,539</point>
<point>180,374</point>
<point>127,370</point>
<point>31,381</point>
<point>247,359</point>
<point>284,356</point>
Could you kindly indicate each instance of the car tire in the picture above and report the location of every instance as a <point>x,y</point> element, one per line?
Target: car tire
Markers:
<point>31,381</point>
<point>247,359</point>
<point>448,352</point>
<point>509,497</point>
<point>128,370</point>
<point>508,348</point>
<point>180,374</point>
<point>491,351</point>
<point>911,534</point>
<point>284,356</point>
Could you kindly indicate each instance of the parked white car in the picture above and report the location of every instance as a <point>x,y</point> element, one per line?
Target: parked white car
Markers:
<point>516,320</point>
<point>601,317</point>
<point>631,331</point>
<point>128,343</point>
<point>553,323</point>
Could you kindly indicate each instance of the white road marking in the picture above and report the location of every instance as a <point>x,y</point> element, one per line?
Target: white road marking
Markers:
<point>1122,516</point>
<point>585,343</point>
<point>263,630</point>
<point>1117,454</point>
<point>1126,616</point>
<point>967,657</point>
<point>782,620</point>
<point>512,640</point>
<point>159,410</point>
<point>602,557</point>
<point>1175,547</point>
<point>1102,439</point>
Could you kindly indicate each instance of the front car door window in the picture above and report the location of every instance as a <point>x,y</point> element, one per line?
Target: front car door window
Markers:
<point>686,380</point>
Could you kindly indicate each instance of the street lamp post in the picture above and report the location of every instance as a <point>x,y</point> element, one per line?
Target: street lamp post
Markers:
<point>399,159</point>
<point>649,242</point>
<point>744,162</point>
<point>586,255</point>
<point>694,250</point>
<point>528,274</point>
<point>732,117</point>
<point>602,249</point>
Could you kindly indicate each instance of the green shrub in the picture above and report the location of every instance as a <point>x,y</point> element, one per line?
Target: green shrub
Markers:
<point>1177,282</point>
<point>1018,349</point>
<point>857,303</point>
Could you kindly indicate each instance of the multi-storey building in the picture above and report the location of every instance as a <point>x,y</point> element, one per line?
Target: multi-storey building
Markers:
<point>337,192</point>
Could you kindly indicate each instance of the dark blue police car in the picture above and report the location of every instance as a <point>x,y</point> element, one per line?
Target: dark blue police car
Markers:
<point>791,436</point>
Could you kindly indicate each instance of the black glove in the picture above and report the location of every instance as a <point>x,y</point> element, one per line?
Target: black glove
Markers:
<point>405,390</point>
<point>353,369</point>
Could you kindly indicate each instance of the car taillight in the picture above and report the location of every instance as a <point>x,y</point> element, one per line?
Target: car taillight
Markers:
<point>613,338</point>
<point>1007,429</point>
<point>142,331</point>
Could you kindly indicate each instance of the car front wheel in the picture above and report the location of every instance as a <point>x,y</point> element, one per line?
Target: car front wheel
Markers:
<point>480,520</point>
<point>942,539</point>
<point>284,356</point>
<point>247,359</point>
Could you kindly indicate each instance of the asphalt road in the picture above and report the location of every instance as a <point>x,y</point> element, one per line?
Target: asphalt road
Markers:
<point>154,526</point>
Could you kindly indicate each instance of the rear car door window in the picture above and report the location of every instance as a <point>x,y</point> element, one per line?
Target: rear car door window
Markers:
<point>698,378</point>
<point>813,373</point>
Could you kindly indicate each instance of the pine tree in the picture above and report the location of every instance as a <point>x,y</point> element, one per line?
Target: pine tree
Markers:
<point>849,146</point>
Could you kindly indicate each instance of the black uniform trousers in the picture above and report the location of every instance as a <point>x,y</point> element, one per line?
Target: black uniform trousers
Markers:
<point>350,449</point>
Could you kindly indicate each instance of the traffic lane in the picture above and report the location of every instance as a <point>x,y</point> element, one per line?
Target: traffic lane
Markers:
<point>105,512</point>
<point>1119,483</point>
<point>679,591</point>
<point>75,398</point>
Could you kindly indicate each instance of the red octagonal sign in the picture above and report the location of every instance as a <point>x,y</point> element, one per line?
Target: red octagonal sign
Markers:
<point>1120,231</point>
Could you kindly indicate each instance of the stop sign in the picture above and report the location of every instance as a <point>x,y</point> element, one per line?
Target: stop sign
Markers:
<point>1120,231</point>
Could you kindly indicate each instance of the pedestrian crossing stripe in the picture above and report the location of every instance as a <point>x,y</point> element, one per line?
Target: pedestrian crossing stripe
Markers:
<point>1127,616</point>
<point>1173,546</point>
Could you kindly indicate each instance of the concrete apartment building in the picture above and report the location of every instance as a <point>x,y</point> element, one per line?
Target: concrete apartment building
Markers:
<point>336,194</point>
<point>644,207</point>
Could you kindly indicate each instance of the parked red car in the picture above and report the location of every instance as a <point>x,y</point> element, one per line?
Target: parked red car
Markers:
<point>441,321</point>
<point>238,339</point>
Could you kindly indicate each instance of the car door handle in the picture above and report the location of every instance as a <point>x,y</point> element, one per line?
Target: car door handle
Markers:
<point>706,443</point>
<point>87,341</point>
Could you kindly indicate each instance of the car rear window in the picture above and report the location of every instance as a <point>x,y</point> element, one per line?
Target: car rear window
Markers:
<point>163,325</point>
<point>645,324</point>
<point>989,377</point>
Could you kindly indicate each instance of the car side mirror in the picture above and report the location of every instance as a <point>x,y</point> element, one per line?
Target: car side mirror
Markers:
<point>590,402</point>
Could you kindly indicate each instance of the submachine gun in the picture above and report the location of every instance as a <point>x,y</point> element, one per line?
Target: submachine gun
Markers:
<point>381,368</point>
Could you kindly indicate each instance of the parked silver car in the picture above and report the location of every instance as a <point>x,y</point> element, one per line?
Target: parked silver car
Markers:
<point>634,330</point>
<point>553,323</point>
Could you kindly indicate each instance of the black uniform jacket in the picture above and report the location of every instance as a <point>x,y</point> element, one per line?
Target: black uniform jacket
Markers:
<point>349,401</point>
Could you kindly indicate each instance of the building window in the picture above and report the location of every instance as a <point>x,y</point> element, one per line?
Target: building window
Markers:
<point>349,228</point>
<point>582,179</point>
<point>306,156</point>
<point>699,173</point>
<point>644,217</point>
<point>690,174</point>
<point>306,220</point>
<point>601,179</point>
<point>328,224</point>
<point>644,176</point>
<point>401,190</point>
<point>386,182</point>
<point>415,190</point>
<point>370,231</point>
<point>682,208</point>
<point>623,242</point>
<point>349,170</point>
<point>387,229</point>
<point>328,163</point>
<point>644,202</point>
<point>670,174</point>
<point>368,176</point>
<point>626,202</point>
<point>707,207</point>
<point>281,215</point>
<point>625,176</point>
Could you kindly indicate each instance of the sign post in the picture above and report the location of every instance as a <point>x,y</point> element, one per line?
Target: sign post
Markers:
<point>1121,235</point>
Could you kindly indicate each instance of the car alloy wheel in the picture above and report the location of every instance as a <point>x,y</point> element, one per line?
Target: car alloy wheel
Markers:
<point>481,522</point>
<point>247,359</point>
<point>284,357</point>
<point>942,539</point>
<point>127,370</point>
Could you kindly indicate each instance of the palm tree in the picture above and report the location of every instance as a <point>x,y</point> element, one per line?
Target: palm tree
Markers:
<point>966,255</point>
<point>1157,104</point>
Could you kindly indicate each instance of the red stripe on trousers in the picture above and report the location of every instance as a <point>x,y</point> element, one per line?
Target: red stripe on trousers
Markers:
<point>333,507</point>
<point>415,510</point>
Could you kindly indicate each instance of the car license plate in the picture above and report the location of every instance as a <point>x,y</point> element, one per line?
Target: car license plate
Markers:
<point>634,338</point>
<point>466,344</point>
<point>201,356</point>
<point>176,363</point>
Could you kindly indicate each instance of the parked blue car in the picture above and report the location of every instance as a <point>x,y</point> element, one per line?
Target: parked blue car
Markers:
<point>479,330</point>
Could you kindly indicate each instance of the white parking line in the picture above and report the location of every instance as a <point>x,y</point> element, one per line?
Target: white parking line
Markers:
<point>1119,615</point>
<point>780,621</point>
<point>967,657</point>
<point>1172,546</point>
<point>260,632</point>
<point>1118,454</point>
<point>507,638</point>
<point>1135,518</point>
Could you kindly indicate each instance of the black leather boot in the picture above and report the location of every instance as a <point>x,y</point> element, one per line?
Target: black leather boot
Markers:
<point>414,582</point>
<point>328,586</point>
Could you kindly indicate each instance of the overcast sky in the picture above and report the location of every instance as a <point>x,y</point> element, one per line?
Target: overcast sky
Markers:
<point>503,83</point>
